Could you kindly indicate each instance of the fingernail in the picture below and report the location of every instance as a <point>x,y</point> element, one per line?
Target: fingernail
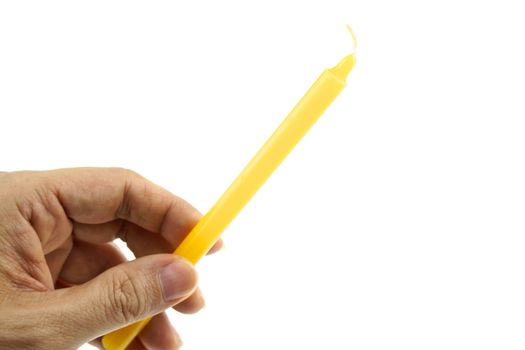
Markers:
<point>178,279</point>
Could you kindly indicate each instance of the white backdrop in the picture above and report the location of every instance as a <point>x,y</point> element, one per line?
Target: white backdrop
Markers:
<point>398,222</point>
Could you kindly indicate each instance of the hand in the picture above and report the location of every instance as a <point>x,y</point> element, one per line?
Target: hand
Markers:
<point>62,280</point>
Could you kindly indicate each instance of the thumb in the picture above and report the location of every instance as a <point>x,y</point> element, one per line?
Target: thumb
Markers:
<point>128,293</point>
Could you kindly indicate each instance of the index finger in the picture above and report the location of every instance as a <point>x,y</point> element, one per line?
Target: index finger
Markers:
<point>99,195</point>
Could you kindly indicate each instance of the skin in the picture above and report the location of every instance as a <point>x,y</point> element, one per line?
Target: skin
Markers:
<point>64,283</point>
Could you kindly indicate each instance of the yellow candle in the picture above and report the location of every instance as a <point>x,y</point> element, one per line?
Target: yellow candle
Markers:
<point>208,230</point>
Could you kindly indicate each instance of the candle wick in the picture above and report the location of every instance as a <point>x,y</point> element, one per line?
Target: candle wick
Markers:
<point>354,39</point>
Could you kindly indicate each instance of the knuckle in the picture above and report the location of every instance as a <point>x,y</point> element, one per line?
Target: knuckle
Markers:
<point>126,303</point>
<point>127,173</point>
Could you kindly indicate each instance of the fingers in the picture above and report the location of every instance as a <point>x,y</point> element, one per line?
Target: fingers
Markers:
<point>126,293</point>
<point>159,334</point>
<point>139,240</point>
<point>216,247</point>
<point>56,259</point>
<point>142,243</point>
<point>136,344</point>
<point>192,304</point>
<point>98,233</point>
<point>86,261</point>
<point>99,195</point>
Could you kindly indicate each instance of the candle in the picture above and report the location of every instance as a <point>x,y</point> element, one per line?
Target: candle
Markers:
<point>208,230</point>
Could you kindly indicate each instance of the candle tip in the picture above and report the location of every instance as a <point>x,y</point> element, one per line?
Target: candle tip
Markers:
<point>343,68</point>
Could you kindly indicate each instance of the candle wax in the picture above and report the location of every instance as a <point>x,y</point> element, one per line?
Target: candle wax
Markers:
<point>208,230</point>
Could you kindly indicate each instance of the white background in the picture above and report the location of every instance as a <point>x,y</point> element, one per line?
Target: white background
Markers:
<point>398,222</point>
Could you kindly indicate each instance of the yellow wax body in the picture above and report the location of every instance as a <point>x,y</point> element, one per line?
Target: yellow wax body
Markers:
<point>208,230</point>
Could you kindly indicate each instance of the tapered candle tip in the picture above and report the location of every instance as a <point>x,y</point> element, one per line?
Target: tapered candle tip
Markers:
<point>344,67</point>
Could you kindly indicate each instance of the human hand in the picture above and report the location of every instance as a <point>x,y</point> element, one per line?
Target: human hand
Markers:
<point>62,281</point>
